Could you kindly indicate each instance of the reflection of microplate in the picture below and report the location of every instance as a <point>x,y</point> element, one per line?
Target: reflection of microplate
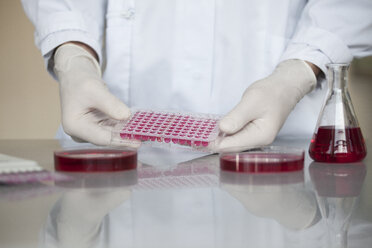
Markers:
<point>177,182</point>
<point>195,130</point>
<point>184,176</point>
<point>21,190</point>
<point>32,177</point>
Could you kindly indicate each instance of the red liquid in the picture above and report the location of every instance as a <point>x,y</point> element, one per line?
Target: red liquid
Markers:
<point>262,162</point>
<point>97,160</point>
<point>331,145</point>
<point>343,180</point>
<point>170,128</point>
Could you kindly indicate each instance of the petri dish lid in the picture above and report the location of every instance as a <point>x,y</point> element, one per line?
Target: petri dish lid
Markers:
<point>95,160</point>
<point>268,159</point>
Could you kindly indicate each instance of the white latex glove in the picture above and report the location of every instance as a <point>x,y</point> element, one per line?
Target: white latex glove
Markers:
<point>265,106</point>
<point>86,103</point>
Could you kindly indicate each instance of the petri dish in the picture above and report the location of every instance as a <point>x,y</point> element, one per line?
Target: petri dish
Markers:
<point>95,160</point>
<point>270,159</point>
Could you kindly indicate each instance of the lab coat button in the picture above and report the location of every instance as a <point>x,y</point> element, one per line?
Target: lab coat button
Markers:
<point>129,14</point>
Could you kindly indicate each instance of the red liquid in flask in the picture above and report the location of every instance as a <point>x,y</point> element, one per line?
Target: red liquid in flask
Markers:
<point>262,162</point>
<point>95,160</point>
<point>332,145</point>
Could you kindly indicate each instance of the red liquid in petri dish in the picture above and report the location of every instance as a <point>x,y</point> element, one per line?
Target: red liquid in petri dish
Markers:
<point>261,162</point>
<point>95,160</point>
<point>332,145</point>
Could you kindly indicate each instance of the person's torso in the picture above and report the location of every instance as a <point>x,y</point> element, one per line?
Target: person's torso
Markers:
<point>197,56</point>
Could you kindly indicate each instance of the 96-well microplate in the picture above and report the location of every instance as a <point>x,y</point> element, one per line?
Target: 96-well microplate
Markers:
<point>196,130</point>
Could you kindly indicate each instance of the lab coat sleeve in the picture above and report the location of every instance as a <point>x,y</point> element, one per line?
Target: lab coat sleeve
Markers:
<point>332,31</point>
<point>60,21</point>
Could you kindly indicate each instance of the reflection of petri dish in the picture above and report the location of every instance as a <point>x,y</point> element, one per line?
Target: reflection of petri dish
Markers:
<point>101,180</point>
<point>257,179</point>
<point>263,160</point>
<point>95,160</point>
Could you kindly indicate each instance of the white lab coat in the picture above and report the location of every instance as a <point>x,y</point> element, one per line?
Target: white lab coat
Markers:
<point>200,55</point>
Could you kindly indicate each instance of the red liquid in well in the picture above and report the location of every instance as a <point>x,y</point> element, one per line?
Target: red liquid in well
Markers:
<point>170,128</point>
<point>261,162</point>
<point>89,160</point>
<point>333,145</point>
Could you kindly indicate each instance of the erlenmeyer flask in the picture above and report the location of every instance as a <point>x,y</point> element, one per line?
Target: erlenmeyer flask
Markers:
<point>337,137</point>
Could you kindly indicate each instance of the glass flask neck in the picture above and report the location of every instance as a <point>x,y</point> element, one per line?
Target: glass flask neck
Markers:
<point>337,76</point>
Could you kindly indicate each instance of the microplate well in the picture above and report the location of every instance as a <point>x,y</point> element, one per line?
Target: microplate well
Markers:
<point>193,130</point>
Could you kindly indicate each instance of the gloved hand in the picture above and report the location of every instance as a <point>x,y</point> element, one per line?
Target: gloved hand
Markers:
<point>265,106</point>
<point>86,103</point>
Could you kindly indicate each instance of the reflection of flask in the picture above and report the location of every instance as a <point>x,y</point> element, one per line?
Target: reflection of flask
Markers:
<point>337,137</point>
<point>337,189</point>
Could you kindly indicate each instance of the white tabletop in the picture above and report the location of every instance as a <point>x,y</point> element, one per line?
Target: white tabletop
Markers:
<point>172,201</point>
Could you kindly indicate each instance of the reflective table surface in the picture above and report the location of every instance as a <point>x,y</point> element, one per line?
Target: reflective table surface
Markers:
<point>179,199</point>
